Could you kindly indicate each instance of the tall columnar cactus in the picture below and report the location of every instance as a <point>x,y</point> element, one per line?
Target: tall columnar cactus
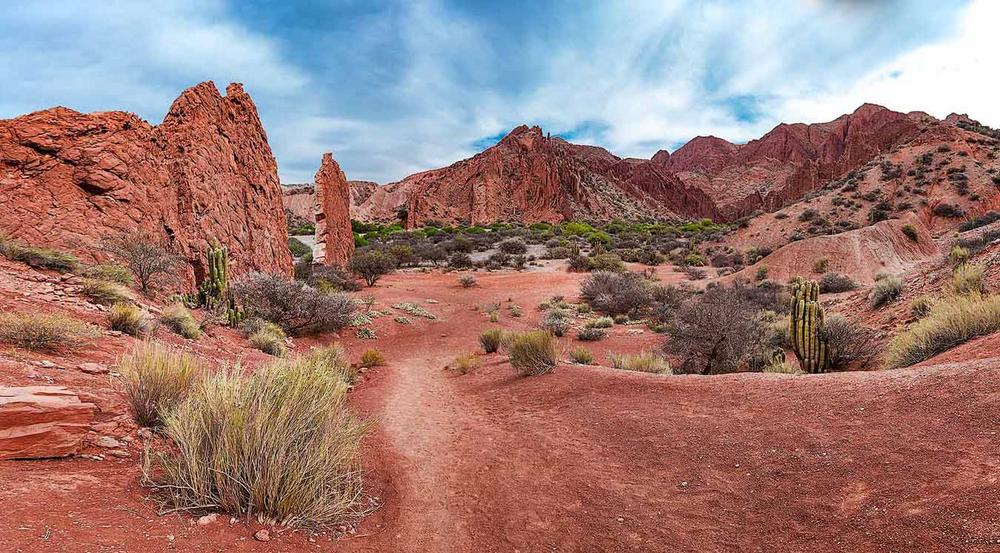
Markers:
<point>212,290</point>
<point>806,328</point>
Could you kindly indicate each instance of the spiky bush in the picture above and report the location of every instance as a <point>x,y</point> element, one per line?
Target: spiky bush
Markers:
<point>886,290</point>
<point>581,356</point>
<point>491,339</point>
<point>921,307</point>
<point>154,378</point>
<point>44,331</point>
<point>851,345</point>
<point>104,292</point>
<point>372,358</point>
<point>532,353</point>
<point>467,281</point>
<point>951,322</point>
<point>642,362</point>
<point>127,318</point>
<point>276,444</point>
<point>616,294</point>
<point>958,255</point>
<point>179,319</point>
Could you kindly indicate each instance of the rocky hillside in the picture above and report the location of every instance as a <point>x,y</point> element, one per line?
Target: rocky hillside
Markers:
<point>67,179</point>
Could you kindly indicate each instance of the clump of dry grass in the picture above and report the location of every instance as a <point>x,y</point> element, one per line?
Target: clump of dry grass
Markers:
<point>45,331</point>
<point>42,258</point>
<point>278,444</point>
<point>127,318</point>
<point>180,320</point>
<point>581,356</point>
<point>491,339</point>
<point>967,279</point>
<point>267,337</point>
<point>104,292</point>
<point>463,364</point>
<point>952,321</point>
<point>532,353</point>
<point>155,377</point>
<point>782,367</point>
<point>372,358</point>
<point>646,362</point>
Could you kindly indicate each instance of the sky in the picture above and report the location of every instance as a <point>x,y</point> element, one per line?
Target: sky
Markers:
<point>397,87</point>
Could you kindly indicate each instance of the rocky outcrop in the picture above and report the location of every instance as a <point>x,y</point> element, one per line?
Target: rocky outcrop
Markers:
<point>298,200</point>
<point>334,238</point>
<point>38,422</point>
<point>361,190</point>
<point>67,179</point>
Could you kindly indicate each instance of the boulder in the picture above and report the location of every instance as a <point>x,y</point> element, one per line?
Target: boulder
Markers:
<point>39,422</point>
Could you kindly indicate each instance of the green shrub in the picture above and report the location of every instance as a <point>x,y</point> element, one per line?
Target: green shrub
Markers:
<point>967,279</point>
<point>44,331</point>
<point>156,377</point>
<point>951,322</point>
<point>556,321</point>
<point>886,290</point>
<point>642,362</point>
<point>267,337</point>
<point>591,334</point>
<point>600,322</point>
<point>372,358</point>
<point>581,356</point>
<point>127,318</point>
<point>277,444</point>
<point>761,273</point>
<point>491,339</point>
<point>606,262</point>
<point>467,281</point>
<point>104,292</point>
<point>532,353</point>
<point>694,260</point>
<point>41,258</point>
<point>372,265</point>
<point>911,232</point>
<point>463,364</point>
<point>297,247</point>
<point>179,319</point>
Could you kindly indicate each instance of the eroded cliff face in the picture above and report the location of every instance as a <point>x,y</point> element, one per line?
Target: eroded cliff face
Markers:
<point>332,213</point>
<point>68,179</point>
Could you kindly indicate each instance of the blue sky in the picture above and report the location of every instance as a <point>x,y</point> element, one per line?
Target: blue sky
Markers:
<point>392,88</point>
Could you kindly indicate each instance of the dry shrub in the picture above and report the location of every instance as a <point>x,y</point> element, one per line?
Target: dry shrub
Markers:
<point>834,283</point>
<point>44,331</point>
<point>887,289</point>
<point>851,345</point>
<point>372,358</point>
<point>967,279</point>
<point>556,321</point>
<point>463,364</point>
<point>267,337</point>
<point>782,367</point>
<point>921,307</point>
<point>532,353</point>
<point>616,294</point>
<point>591,334</point>
<point>155,377</point>
<point>111,272</point>
<point>646,362</point>
<point>277,444</point>
<point>180,320</point>
<point>467,281</point>
<point>295,307</point>
<point>145,255</point>
<point>581,356</point>
<point>952,321</point>
<point>491,339</point>
<point>104,292</point>
<point>41,258</point>
<point>127,318</point>
<point>600,322</point>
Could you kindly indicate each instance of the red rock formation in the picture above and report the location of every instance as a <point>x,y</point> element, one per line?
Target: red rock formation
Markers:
<point>299,200</point>
<point>38,422</point>
<point>361,190</point>
<point>334,238</point>
<point>67,179</point>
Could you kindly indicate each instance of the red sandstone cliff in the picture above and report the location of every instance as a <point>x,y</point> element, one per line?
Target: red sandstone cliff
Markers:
<point>334,238</point>
<point>67,179</point>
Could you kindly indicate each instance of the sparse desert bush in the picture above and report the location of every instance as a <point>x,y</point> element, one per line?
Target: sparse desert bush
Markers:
<point>297,247</point>
<point>782,367</point>
<point>513,247</point>
<point>591,334</point>
<point>467,281</point>
<point>127,318</point>
<point>950,211</point>
<point>414,309</point>
<point>958,255</point>
<point>515,311</point>
<point>329,279</point>
<point>110,272</point>
<point>104,292</point>
<point>761,273</point>
<point>886,290</point>
<point>156,377</point>
<point>578,264</point>
<point>851,345</point>
<point>491,339</point>
<point>581,356</point>
<point>372,265</point>
<point>952,321</point>
<point>556,321</point>
<point>41,258</point>
<point>967,279</point>
<point>532,353</point>
<point>459,260</point>
<point>694,260</point>
<point>832,283</point>
<point>372,358</point>
<point>144,255</point>
<point>267,337</point>
<point>646,362</point>
<point>616,294</point>
<point>44,331</point>
<point>608,262</point>
<point>911,232</point>
<point>277,443</point>
<point>179,319</point>
<point>600,322</point>
<point>295,307</point>
<point>985,219</point>
<point>465,363</point>
<point>921,307</point>
<point>821,265</point>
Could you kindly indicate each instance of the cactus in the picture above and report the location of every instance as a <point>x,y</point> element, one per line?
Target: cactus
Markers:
<point>212,290</point>
<point>806,327</point>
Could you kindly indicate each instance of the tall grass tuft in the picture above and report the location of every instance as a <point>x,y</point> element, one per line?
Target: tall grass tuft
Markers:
<point>104,292</point>
<point>41,258</point>
<point>127,318</point>
<point>491,339</point>
<point>463,364</point>
<point>180,320</point>
<point>155,377</point>
<point>967,279</point>
<point>642,362</point>
<point>372,358</point>
<point>581,356</point>
<point>44,331</point>
<point>952,321</point>
<point>886,289</point>
<point>277,444</point>
<point>532,353</point>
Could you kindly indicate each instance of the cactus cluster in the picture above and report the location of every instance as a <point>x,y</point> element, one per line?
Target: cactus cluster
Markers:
<point>213,292</point>
<point>806,327</point>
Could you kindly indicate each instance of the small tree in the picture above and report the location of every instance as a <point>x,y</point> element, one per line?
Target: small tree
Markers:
<point>372,265</point>
<point>144,255</point>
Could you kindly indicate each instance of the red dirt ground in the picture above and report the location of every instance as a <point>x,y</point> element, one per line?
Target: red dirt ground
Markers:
<point>584,458</point>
